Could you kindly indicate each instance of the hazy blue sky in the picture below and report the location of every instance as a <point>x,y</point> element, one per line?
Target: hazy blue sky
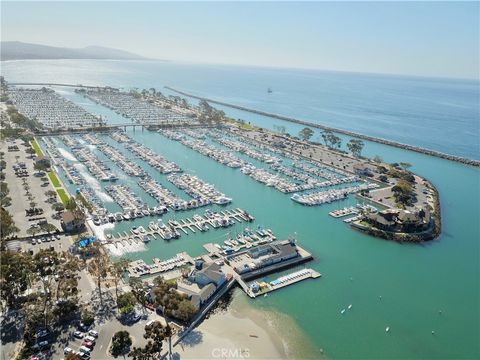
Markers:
<point>424,38</point>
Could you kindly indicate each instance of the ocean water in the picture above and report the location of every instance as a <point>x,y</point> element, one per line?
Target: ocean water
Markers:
<point>439,114</point>
<point>415,282</point>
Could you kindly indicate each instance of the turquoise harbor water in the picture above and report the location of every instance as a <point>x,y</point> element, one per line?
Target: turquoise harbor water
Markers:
<point>414,281</point>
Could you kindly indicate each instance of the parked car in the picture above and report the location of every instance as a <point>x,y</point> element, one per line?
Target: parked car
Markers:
<point>41,345</point>
<point>78,334</point>
<point>42,333</point>
<point>84,355</point>
<point>88,344</point>
<point>84,327</point>
<point>34,241</point>
<point>135,317</point>
<point>89,338</point>
<point>93,333</point>
<point>84,349</point>
<point>67,350</point>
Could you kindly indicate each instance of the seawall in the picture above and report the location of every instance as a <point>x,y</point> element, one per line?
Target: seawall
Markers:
<point>418,149</point>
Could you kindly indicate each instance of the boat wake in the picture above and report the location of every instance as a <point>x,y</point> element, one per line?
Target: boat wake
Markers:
<point>120,248</point>
<point>94,183</point>
<point>67,155</point>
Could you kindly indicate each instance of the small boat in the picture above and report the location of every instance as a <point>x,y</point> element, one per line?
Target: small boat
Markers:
<point>350,306</point>
<point>342,312</point>
<point>146,239</point>
<point>387,329</point>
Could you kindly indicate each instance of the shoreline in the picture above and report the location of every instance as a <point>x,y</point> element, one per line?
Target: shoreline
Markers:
<point>417,149</point>
<point>242,331</point>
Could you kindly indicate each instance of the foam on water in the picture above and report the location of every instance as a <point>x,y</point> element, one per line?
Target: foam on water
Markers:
<point>99,230</point>
<point>123,247</point>
<point>94,183</point>
<point>66,154</point>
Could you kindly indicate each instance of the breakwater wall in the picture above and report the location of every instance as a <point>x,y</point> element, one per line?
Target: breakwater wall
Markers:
<point>417,149</point>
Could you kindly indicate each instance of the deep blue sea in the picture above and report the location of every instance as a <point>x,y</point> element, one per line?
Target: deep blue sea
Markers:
<point>439,114</point>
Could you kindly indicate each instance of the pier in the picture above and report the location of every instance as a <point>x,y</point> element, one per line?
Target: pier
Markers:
<point>171,230</point>
<point>262,288</point>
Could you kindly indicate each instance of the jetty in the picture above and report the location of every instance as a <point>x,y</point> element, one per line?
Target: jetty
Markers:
<point>417,149</point>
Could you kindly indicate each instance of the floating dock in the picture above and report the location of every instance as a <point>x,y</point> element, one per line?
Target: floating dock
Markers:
<point>221,219</point>
<point>281,282</point>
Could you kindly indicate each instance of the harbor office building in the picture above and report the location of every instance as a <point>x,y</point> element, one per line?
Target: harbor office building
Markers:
<point>202,283</point>
<point>262,256</point>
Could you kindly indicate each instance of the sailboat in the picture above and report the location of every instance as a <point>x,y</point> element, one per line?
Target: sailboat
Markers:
<point>269,90</point>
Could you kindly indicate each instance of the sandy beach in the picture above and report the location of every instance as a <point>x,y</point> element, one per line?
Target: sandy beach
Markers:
<point>244,332</point>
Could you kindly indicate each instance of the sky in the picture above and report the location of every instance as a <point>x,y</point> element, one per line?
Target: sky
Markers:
<point>413,38</point>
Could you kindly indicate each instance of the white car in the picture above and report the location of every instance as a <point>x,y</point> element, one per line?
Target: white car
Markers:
<point>89,338</point>
<point>84,349</point>
<point>67,350</point>
<point>93,333</point>
<point>78,334</point>
<point>34,241</point>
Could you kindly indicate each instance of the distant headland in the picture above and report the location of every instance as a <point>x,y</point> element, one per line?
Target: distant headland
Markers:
<point>16,50</point>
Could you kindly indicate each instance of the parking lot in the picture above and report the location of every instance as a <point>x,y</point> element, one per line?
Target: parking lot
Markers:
<point>25,190</point>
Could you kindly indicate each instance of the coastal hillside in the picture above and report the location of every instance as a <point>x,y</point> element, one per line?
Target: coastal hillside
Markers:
<point>16,50</point>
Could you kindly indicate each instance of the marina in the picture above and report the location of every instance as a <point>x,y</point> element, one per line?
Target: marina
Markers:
<point>51,109</point>
<point>128,166</point>
<point>326,197</point>
<point>198,189</point>
<point>173,229</point>
<point>131,105</point>
<point>167,198</point>
<point>155,160</point>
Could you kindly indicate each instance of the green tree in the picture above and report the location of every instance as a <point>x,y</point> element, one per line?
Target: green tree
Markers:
<point>186,310</point>
<point>305,134</point>
<point>139,290</point>
<point>7,226</point>
<point>17,275</point>
<point>48,227</point>
<point>117,270</point>
<point>88,317</point>
<point>121,342</point>
<point>58,206</point>
<point>355,146</point>
<point>126,302</point>
<point>57,273</point>
<point>98,266</point>
<point>71,204</point>
<point>155,333</point>
<point>403,193</point>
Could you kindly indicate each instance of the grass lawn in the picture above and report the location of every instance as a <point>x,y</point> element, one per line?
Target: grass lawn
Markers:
<point>54,179</point>
<point>37,148</point>
<point>63,196</point>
